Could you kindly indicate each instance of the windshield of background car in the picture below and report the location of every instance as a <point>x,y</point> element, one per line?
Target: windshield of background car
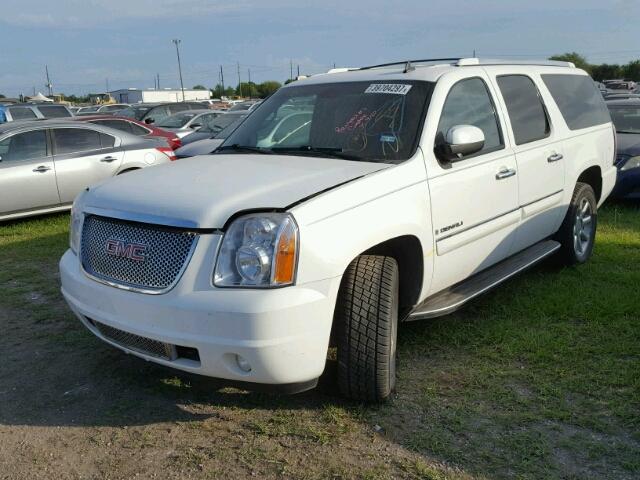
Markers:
<point>377,121</point>
<point>218,124</point>
<point>134,112</point>
<point>626,119</point>
<point>176,121</point>
<point>226,131</point>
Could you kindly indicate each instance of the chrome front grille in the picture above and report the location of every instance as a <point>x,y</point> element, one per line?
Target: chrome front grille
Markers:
<point>136,342</point>
<point>135,256</point>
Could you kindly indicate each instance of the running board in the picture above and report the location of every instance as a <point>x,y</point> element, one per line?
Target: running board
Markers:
<point>451,299</point>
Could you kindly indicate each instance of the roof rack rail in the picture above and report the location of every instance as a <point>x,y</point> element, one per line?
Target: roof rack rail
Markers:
<point>404,62</point>
<point>471,61</point>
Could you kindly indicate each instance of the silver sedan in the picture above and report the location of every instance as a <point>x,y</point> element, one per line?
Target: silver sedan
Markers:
<point>44,165</point>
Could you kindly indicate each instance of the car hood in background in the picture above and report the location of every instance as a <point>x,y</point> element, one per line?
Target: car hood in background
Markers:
<point>200,147</point>
<point>628,143</point>
<point>204,192</point>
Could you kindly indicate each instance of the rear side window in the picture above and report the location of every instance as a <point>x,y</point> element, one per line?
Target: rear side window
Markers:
<point>469,103</point>
<point>54,111</point>
<point>526,110</point>
<point>72,140</point>
<point>107,141</point>
<point>138,130</point>
<point>578,99</point>
<point>22,113</point>
<point>121,125</point>
<point>24,146</point>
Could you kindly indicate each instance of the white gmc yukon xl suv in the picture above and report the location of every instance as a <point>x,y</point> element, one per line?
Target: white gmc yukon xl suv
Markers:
<point>344,204</point>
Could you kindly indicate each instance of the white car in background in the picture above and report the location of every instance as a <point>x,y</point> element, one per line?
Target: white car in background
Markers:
<point>416,187</point>
<point>187,122</point>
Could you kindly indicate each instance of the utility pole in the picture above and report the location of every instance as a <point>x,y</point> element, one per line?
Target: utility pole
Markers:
<point>222,81</point>
<point>107,80</point>
<point>48,85</point>
<point>158,75</point>
<point>298,69</point>
<point>290,69</point>
<point>250,91</point>
<point>177,42</point>
<point>239,82</point>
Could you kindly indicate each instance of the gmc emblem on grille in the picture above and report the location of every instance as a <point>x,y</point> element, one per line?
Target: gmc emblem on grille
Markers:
<point>133,251</point>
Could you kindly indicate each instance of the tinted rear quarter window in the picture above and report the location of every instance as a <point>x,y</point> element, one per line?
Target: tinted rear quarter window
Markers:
<point>138,130</point>
<point>526,110</point>
<point>116,124</point>
<point>54,111</point>
<point>22,113</point>
<point>578,99</point>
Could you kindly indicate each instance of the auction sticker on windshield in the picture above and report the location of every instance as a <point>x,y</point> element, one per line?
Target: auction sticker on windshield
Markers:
<point>394,88</point>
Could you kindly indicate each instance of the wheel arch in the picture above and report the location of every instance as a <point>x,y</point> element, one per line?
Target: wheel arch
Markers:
<point>593,177</point>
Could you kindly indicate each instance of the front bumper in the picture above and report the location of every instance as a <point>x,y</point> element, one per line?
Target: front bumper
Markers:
<point>627,184</point>
<point>283,333</point>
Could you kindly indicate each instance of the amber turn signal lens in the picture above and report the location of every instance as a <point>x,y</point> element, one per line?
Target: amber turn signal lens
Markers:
<point>285,256</point>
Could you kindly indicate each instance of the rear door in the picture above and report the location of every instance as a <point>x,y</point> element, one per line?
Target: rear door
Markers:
<point>27,175</point>
<point>83,157</point>
<point>539,155</point>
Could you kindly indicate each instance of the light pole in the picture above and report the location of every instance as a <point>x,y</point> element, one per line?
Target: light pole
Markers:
<point>177,42</point>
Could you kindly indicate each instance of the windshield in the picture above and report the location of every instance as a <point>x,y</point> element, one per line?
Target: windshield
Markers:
<point>176,121</point>
<point>369,121</point>
<point>218,124</point>
<point>626,119</point>
<point>226,131</point>
<point>134,112</point>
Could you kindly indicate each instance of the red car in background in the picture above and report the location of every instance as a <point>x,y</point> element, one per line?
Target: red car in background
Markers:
<point>133,126</point>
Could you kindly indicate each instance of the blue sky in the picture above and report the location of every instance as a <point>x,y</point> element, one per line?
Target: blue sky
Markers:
<point>85,42</point>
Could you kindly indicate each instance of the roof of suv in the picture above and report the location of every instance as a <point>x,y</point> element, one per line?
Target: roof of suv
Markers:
<point>425,70</point>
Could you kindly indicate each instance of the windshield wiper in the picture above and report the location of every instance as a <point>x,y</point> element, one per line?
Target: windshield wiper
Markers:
<point>245,148</point>
<point>332,152</point>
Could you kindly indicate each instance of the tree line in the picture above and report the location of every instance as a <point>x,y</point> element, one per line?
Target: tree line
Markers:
<point>244,89</point>
<point>603,71</point>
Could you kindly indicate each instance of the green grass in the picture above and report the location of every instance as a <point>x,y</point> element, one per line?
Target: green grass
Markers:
<point>539,379</point>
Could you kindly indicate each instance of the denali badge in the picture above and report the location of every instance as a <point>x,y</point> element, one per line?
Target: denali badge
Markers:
<point>133,251</point>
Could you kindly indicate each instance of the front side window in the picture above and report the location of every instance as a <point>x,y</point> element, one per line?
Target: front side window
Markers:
<point>578,99</point>
<point>73,140</point>
<point>374,121</point>
<point>526,111</point>
<point>469,103</point>
<point>22,113</point>
<point>54,111</point>
<point>178,120</point>
<point>626,118</point>
<point>24,146</point>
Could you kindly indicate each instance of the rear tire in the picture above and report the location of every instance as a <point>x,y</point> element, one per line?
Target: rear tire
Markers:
<point>367,325</point>
<point>578,231</point>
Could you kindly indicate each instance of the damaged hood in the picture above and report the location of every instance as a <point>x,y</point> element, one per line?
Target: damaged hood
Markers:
<point>203,192</point>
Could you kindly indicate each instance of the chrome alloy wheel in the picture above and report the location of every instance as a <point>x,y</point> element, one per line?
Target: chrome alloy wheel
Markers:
<point>583,227</point>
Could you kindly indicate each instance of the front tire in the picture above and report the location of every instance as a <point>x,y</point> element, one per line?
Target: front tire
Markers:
<point>367,323</point>
<point>578,231</point>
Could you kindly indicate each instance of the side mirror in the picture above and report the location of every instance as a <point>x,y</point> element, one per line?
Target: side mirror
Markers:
<point>461,140</point>
<point>149,121</point>
<point>195,126</point>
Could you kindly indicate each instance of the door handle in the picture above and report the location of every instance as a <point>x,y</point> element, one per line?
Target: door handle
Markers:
<point>505,173</point>
<point>554,157</point>
<point>108,159</point>
<point>42,169</point>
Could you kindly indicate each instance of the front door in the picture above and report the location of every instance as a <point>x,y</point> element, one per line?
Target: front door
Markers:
<point>474,199</point>
<point>82,158</point>
<point>27,174</point>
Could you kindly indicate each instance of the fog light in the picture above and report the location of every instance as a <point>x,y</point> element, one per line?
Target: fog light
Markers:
<point>244,365</point>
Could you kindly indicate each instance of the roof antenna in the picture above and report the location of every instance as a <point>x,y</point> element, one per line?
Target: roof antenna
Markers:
<point>408,67</point>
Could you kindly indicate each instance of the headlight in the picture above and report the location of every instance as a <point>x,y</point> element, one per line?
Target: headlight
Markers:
<point>633,162</point>
<point>75,228</point>
<point>258,250</point>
